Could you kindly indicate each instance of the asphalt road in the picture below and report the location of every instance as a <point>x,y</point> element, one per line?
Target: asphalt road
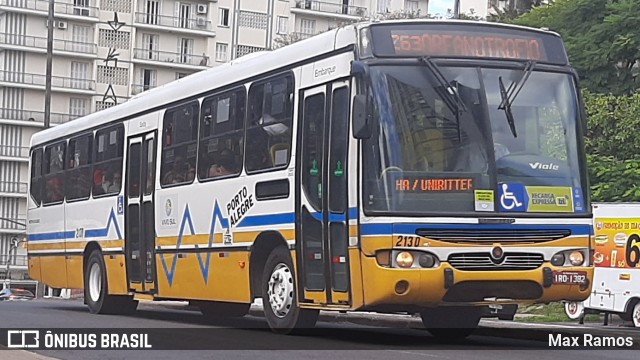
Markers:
<point>249,338</point>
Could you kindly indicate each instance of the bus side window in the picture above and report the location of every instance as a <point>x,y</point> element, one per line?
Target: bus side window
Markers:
<point>54,157</point>
<point>36,176</point>
<point>108,159</point>
<point>222,134</point>
<point>269,121</point>
<point>79,168</point>
<point>179,143</point>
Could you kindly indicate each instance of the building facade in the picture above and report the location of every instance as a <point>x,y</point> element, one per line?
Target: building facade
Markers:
<point>106,51</point>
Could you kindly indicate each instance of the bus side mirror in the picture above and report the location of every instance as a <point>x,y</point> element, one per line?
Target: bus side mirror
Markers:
<point>361,124</point>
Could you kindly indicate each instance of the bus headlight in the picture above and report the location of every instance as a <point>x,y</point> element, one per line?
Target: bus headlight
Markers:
<point>570,258</point>
<point>557,259</point>
<point>576,258</point>
<point>404,259</point>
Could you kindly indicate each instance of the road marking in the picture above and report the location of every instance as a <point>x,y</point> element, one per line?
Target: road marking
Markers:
<point>419,353</point>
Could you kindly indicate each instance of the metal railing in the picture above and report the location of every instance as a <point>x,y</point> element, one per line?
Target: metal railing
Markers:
<point>14,186</point>
<point>40,80</point>
<point>41,42</point>
<point>199,23</point>
<point>59,7</point>
<point>17,260</point>
<point>138,88</point>
<point>27,115</point>
<point>13,223</point>
<point>170,57</point>
<point>301,35</point>
<point>14,151</point>
<point>334,8</point>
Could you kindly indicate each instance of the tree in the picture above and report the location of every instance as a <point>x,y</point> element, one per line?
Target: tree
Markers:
<point>613,151</point>
<point>602,40</point>
<point>513,10</point>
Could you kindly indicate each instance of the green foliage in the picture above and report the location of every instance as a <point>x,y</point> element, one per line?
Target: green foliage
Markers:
<point>602,39</point>
<point>613,147</point>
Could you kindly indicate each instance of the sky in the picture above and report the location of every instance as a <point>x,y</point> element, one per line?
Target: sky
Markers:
<point>440,6</point>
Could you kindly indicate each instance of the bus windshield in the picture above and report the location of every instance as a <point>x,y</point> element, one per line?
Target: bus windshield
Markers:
<point>442,141</point>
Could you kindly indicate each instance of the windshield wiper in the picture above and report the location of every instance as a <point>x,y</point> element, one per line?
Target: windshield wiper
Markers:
<point>451,97</point>
<point>509,95</point>
<point>450,94</point>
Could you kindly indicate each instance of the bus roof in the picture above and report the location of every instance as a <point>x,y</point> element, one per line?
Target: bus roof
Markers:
<point>244,67</point>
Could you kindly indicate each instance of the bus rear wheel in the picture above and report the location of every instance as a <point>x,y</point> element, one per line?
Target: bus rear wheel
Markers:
<point>96,292</point>
<point>451,323</point>
<point>279,296</point>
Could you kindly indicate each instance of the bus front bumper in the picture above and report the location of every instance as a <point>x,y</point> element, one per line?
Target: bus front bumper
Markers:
<point>446,286</point>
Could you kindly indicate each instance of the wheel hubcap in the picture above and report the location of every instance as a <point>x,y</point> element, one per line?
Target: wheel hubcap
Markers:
<point>280,290</point>
<point>636,315</point>
<point>95,282</point>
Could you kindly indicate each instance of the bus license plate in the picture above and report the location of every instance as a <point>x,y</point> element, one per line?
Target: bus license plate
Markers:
<point>570,277</point>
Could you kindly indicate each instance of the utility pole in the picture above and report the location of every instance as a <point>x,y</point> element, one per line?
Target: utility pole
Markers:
<point>47,94</point>
<point>456,9</point>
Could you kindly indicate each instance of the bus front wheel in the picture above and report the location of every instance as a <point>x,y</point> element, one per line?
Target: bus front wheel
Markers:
<point>96,292</point>
<point>451,323</point>
<point>279,295</point>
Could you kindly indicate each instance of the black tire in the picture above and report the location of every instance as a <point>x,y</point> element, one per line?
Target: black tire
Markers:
<point>96,291</point>
<point>628,314</point>
<point>218,310</point>
<point>451,323</point>
<point>289,318</point>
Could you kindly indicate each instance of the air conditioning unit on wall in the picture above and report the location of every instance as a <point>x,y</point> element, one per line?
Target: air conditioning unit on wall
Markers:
<point>201,21</point>
<point>62,25</point>
<point>202,9</point>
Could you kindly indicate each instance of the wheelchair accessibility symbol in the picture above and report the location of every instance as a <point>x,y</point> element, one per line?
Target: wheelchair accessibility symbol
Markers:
<point>512,197</point>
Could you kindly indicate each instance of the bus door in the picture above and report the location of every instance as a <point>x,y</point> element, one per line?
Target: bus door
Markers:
<point>139,216</point>
<point>322,224</point>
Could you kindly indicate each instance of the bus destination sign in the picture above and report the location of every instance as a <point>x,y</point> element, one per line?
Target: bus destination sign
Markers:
<point>443,44</point>
<point>468,41</point>
<point>423,184</point>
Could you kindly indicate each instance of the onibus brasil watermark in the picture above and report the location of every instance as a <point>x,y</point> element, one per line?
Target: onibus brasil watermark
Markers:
<point>41,339</point>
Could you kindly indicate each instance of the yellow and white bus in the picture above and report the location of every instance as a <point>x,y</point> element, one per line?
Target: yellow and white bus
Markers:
<point>432,167</point>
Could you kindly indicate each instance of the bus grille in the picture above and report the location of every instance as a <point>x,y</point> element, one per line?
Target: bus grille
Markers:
<point>484,262</point>
<point>490,236</point>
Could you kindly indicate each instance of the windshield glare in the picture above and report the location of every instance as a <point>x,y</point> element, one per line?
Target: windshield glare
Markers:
<point>447,147</point>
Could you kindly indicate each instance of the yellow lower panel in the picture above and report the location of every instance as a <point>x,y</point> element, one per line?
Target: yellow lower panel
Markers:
<point>54,271</point>
<point>356,278</point>
<point>116,274</point>
<point>426,287</point>
<point>34,268</point>
<point>75,272</point>
<point>227,277</point>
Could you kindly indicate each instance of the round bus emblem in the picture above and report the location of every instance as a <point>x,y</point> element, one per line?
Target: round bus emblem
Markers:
<point>167,207</point>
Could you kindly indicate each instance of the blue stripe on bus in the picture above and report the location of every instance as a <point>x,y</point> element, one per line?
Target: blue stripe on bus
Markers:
<point>388,229</point>
<point>91,233</point>
<point>272,219</point>
<point>52,236</point>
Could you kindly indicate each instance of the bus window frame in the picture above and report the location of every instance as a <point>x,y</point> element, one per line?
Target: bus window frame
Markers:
<point>201,139</point>
<point>61,173</point>
<point>41,176</point>
<point>195,103</point>
<point>107,129</point>
<point>91,136</point>
<point>261,82</point>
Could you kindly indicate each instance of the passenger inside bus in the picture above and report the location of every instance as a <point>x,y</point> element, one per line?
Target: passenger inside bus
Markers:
<point>224,164</point>
<point>178,172</point>
<point>97,182</point>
